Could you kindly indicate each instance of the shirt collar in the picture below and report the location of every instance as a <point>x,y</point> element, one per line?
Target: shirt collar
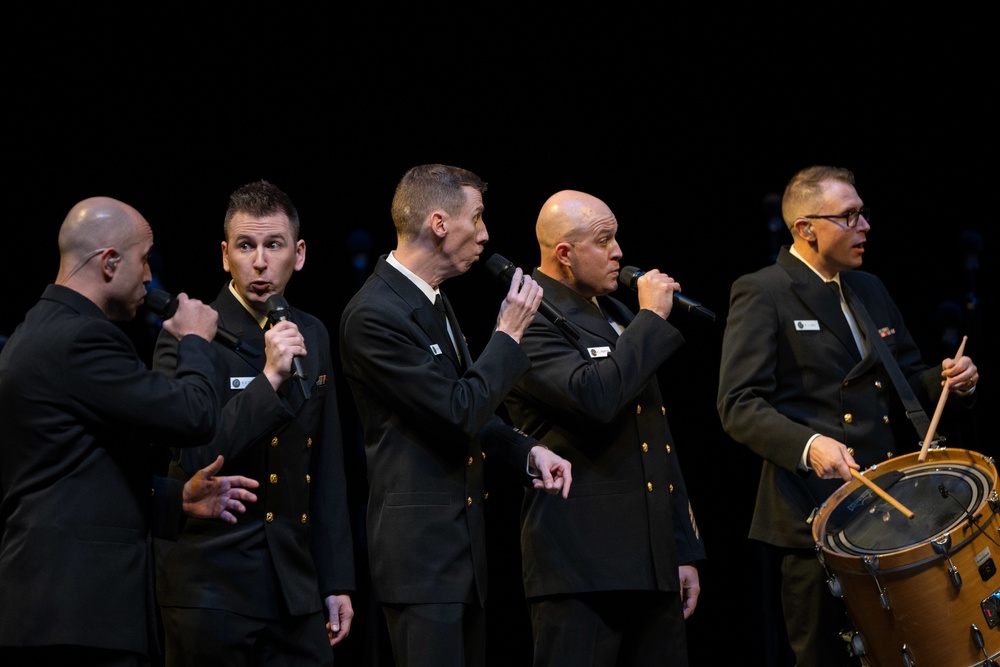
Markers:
<point>428,291</point>
<point>261,321</point>
<point>795,253</point>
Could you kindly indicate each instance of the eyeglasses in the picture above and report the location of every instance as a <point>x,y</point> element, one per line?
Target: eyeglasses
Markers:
<point>850,218</point>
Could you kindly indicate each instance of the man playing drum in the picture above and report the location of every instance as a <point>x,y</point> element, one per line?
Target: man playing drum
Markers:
<point>804,384</point>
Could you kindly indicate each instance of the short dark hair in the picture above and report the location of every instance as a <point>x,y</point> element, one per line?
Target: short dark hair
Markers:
<point>261,199</point>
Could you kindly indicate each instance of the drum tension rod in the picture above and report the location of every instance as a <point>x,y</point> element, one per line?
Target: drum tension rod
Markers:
<point>871,564</point>
<point>831,579</point>
<point>942,545</point>
<point>977,637</point>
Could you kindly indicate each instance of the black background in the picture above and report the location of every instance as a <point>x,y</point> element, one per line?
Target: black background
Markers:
<point>687,130</point>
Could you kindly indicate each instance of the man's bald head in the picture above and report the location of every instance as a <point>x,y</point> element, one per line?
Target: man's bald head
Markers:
<point>98,222</point>
<point>576,237</point>
<point>103,254</point>
<point>566,216</point>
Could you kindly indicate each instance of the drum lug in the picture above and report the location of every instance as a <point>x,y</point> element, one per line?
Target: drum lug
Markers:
<point>907,658</point>
<point>831,579</point>
<point>977,637</point>
<point>994,501</point>
<point>871,564</point>
<point>942,545</point>
<point>857,645</point>
<point>834,585</point>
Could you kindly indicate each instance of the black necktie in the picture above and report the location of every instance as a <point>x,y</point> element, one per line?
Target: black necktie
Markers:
<point>610,320</point>
<point>443,312</point>
<point>439,305</point>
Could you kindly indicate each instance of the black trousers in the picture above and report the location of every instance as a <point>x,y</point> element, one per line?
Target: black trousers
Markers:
<point>609,629</point>
<point>814,618</point>
<point>197,637</point>
<point>437,635</point>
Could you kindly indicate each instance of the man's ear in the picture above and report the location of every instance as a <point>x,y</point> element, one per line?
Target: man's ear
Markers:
<point>562,252</point>
<point>804,228</point>
<point>439,227</point>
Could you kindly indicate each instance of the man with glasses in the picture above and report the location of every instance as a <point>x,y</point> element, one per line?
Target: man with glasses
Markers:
<point>803,384</point>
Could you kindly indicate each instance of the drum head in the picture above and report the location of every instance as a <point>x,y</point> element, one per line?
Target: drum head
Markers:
<point>941,496</point>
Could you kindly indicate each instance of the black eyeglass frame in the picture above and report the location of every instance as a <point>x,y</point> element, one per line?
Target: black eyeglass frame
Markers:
<point>847,217</point>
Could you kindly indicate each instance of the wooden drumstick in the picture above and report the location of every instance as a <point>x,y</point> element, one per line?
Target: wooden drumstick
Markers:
<point>939,409</point>
<point>880,492</point>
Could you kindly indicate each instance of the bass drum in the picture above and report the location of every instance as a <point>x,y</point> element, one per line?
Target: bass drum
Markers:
<point>920,592</point>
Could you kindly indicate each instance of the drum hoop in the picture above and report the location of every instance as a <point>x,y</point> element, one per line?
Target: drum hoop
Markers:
<point>933,557</point>
<point>941,460</point>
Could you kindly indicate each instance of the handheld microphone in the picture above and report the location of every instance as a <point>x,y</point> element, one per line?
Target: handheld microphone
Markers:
<point>164,305</point>
<point>630,274</point>
<point>503,270</point>
<point>278,311</point>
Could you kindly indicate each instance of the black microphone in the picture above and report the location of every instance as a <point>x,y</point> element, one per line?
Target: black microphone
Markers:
<point>503,270</point>
<point>629,275</point>
<point>164,305</point>
<point>278,311</point>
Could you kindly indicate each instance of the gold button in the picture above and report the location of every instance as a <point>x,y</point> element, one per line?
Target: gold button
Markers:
<point>878,384</point>
<point>484,453</point>
<point>638,409</point>
<point>269,517</point>
<point>846,383</point>
<point>668,446</point>
<point>671,488</point>
<point>663,410</point>
<point>885,418</point>
<point>649,486</point>
<point>309,479</point>
<point>274,478</point>
<point>848,418</point>
<point>274,441</point>
<point>645,447</point>
<point>309,442</point>
<point>468,501</point>
<point>470,460</point>
<point>303,519</point>
<point>152,492</point>
<point>486,496</point>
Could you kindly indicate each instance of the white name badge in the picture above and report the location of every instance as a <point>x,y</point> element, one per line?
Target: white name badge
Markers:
<point>598,352</point>
<point>436,349</point>
<point>807,325</point>
<point>239,383</point>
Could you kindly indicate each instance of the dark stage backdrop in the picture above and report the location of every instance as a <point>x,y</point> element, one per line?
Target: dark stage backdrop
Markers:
<point>689,145</point>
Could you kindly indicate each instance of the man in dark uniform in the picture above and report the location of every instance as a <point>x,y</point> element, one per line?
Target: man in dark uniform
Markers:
<point>263,590</point>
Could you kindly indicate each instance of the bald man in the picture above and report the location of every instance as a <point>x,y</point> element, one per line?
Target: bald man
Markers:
<point>609,573</point>
<point>78,412</point>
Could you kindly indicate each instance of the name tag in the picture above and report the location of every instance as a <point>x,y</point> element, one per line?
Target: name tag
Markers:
<point>436,349</point>
<point>239,383</point>
<point>807,325</point>
<point>598,352</point>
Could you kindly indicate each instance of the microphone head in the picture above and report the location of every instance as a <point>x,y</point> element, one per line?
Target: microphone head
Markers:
<point>628,275</point>
<point>500,268</point>
<point>161,303</point>
<point>277,308</point>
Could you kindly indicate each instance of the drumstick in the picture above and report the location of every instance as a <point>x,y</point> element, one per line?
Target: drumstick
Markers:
<point>880,492</point>
<point>940,408</point>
